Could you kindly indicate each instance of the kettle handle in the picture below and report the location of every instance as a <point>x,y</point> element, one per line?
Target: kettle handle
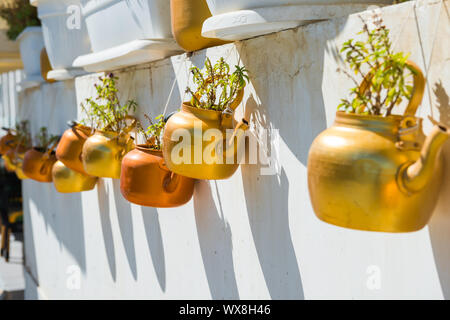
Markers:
<point>418,87</point>
<point>45,167</point>
<point>49,150</point>
<point>171,179</point>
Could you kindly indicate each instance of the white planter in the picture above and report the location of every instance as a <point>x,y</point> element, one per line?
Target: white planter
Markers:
<point>242,19</point>
<point>31,43</point>
<point>124,33</point>
<point>65,37</point>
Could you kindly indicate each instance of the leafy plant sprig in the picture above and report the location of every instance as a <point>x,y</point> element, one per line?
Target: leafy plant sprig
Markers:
<point>22,134</point>
<point>44,139</point>
<point>105,112</point>
<point>216,87</point>
<point>387,71</point>
<point>18,14</point>
<point>153,132</point>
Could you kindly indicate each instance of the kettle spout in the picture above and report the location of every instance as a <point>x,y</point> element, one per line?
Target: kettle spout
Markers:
<point>239,133</point>
<point>416,176</point>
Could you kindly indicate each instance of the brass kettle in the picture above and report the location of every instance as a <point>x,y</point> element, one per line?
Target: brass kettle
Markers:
<point>67,180</point>
<point>199,156</point>
<point>70,146</point>
<point>145,180</point>
<point>377,173</point>
<point>103,152</point>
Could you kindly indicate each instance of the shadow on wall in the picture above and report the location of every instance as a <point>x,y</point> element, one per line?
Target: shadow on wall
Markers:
<point>123,209</point>
<point>269,223</point>
<point>292,102</point>
<point>439,226</point>
<point>105,220</point>
<point>155,245</point>
<point>216,246</point>
<point>62,213</point>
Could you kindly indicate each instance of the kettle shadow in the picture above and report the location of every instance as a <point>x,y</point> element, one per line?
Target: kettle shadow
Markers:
<point>214,234</point>
<point>69,229</point>
<point>155,245</point>
<point>105,220</point>
<point>269,223</point>
<point>439,226</point>
<point>125,221</point>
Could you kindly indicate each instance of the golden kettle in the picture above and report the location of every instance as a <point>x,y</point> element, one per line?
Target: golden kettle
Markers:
<point>377,173</point>
<point>67,180</point>
<point>103,152</point>
<point>210,161</point>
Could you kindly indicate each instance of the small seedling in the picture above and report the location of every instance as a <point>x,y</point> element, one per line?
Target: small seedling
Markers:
<point>387,70</point>
<point>153,132</point>
<point>105,112</point>
<point>217,88</point>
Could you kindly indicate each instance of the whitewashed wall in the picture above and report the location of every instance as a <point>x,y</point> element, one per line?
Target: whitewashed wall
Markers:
<point>252,236</point>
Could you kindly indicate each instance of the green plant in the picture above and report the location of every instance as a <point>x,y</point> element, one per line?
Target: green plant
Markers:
<point>22,134</point>
<point>387,71</point>
<point>44,139</point>
<point>105,112</point>
<point>18,14</point>
<point>153,132</point>
<point>217,88</point>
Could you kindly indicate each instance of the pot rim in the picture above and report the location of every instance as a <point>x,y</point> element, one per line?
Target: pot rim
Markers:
<point>110,133</point>
<point>393,120</point>
<point>206,113</point>
<point>81,127</point>
<point>147,149</point>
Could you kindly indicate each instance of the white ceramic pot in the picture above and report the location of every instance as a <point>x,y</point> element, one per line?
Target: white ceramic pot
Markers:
<point>114,22</point>
<point>224,6</point>
<point>126,32</point>
<point>65,35</point>
<point>31,43</point>
<point>241,19</point>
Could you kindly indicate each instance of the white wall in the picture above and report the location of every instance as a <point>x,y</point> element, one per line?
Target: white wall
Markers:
<point>8,97</point>
<point>252,236</point>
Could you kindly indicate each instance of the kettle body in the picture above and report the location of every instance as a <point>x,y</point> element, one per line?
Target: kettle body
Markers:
<point>146,181</point>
